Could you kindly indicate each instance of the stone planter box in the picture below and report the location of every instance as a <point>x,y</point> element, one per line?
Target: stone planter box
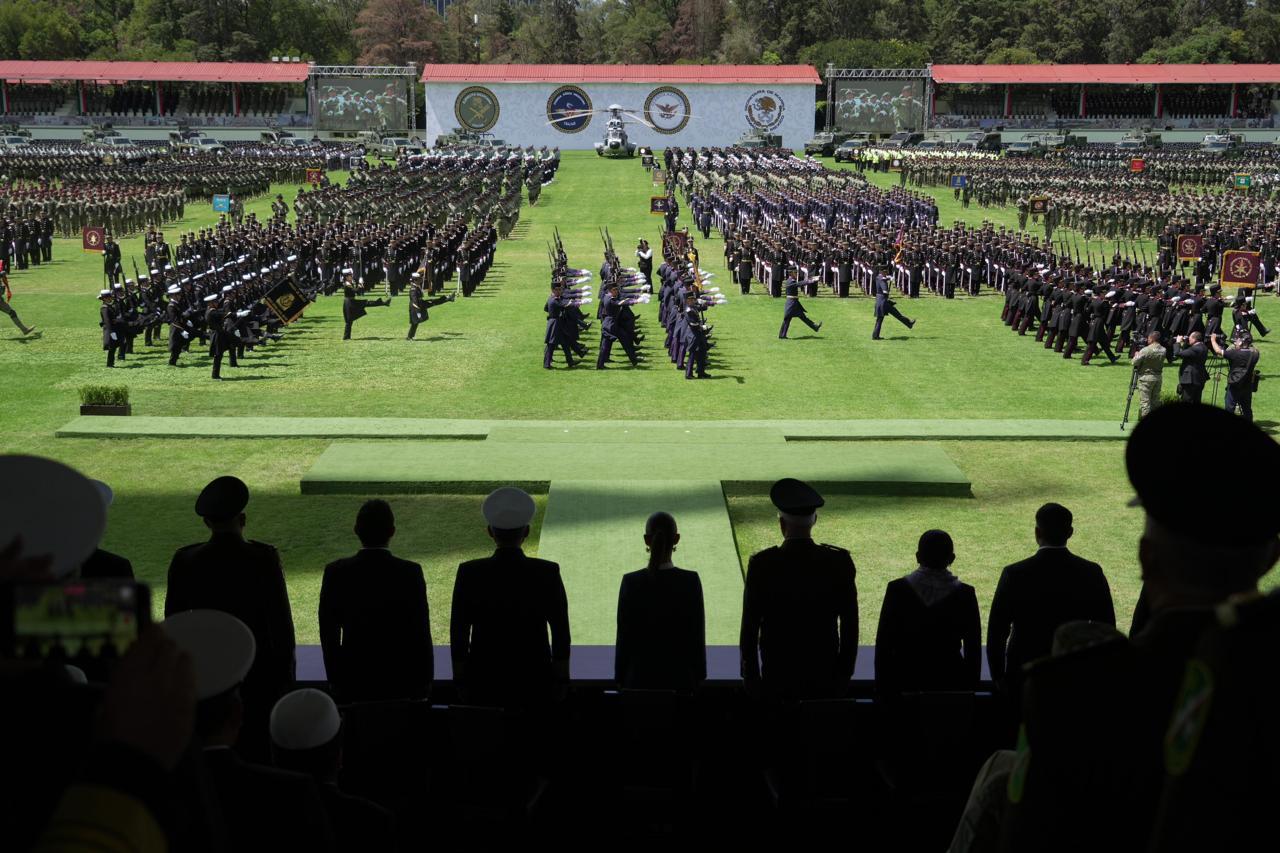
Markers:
<point>107,410</point>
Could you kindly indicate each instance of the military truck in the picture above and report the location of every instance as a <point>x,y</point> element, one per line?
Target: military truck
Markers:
<point>1222,143</point>
<point>980,141</point>
<point>1063,141</point>
<point>824,142</point>
<point>275,136</point>
<point>1030,147</point>
<point>1137,140</point>
<point>903,139</point>
<point>847,151</point>
<point>98,132</point>
<point>759,138</point>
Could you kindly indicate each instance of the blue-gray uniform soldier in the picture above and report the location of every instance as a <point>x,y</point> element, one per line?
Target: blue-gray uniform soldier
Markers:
<point>885,306</point>
<point>794,309</point>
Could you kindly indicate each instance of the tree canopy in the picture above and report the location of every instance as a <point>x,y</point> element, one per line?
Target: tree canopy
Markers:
<point>866,33</point>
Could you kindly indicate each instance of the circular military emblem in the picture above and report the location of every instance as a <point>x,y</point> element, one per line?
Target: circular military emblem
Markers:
<point>569,109</point>
<point>92,239</point>
<point>667,109</point>
<point>765,109</point>
<point>1242,268</point>
<point>1189,247</point>
<point>476,109</point>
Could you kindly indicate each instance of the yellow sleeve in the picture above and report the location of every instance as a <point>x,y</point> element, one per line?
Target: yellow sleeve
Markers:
<point>93,817</point>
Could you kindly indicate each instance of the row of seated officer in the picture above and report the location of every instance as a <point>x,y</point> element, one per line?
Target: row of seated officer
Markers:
<point>1164,737</point>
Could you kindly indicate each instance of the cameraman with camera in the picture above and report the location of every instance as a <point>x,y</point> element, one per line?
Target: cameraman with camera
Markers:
<point>1242,378</point>
<point>1193,375</point>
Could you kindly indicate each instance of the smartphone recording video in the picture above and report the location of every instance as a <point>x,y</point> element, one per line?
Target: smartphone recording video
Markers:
<point>87,623</point>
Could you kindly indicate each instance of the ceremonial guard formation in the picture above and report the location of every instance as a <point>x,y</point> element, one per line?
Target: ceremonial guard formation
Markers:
<point>234,287</point>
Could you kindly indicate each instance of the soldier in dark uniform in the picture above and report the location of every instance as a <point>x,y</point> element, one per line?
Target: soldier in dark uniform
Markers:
<point>504,609</point>
<point>244,578</point>
<point>799,636</point>
<point>696,332</point>
<point>418,304</point>
<point>558,325</point>
<point>111,260</point>
<point>885,306</point>
<point>352,308</point>
<point>113,337</point>
<point>611,329</point>
<point>793,309</point>
<point>644,261</point>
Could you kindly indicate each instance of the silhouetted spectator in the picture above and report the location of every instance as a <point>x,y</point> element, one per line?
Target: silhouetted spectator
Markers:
<point>930,631</point>
<point>503,608</point>
<point>306,737</point>
<point>661,642</point>
<point>799,635</point>
<point>102,563</point>
<point>375,627</point>
<point>243,578</point>
<point>263,808</point>
<point>1100,725</point>
<point>1036,595</point>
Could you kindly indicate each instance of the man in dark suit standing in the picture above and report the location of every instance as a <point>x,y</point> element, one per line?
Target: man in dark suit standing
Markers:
<point>1193,375</point>
<point>885,306</point>
<point>375,625</point>
<point>503,607</point>
<point>1037,595</point>
<point>244,578</point>
<point>799,635</point>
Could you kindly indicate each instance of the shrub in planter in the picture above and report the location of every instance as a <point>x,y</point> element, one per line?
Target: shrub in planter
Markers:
<point>104,400</point>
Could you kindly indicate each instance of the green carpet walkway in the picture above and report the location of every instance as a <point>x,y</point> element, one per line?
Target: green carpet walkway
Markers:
<point>144,426</point>
<point>460,467</point>
<point>594,529</point>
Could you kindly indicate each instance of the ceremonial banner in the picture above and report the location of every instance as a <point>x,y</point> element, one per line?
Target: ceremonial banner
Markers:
<point>1137,164</point>
<point>1040,205</point>
<point>1241,181</point>
<point>285,301</point>
<point>314,175</point>
<point>658,205</point>
<point>959,182</point>
<point>659,176</point>
<point>1241,267</point>
<point>222,204</point>
<point>1190,246</point>
<point>675,240</point>
<point>92,238</point>
<point>895,165</point>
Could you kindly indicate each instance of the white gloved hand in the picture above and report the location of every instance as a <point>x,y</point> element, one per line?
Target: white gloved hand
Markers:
<point>113,336</point>
<point>186,335</point>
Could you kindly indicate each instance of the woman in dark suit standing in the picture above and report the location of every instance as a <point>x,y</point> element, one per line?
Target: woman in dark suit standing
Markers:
<point>661,642</point>
<point>930,632</point>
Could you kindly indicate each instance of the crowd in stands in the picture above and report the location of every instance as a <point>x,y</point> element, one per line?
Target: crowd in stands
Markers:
<point>201,739</point>
<point>26,99</point>
<point>1109,104</point>
<point>183,100</point>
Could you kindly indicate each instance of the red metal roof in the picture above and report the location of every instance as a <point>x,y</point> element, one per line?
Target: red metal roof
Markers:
<point>762,74</point>
<point>181,72</point>
<point>1205,73</point>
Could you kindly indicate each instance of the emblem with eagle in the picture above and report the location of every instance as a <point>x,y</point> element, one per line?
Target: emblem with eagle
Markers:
<point>765,109</point>
<point>667,109</point>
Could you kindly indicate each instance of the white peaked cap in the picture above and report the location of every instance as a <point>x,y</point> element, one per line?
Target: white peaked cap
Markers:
<point>508,508</point>
<point>57,511</point>
<point>221,647</point>
<point>304,719</point>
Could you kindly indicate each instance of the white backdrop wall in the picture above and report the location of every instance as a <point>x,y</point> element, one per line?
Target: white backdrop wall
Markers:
<point>719,113</point>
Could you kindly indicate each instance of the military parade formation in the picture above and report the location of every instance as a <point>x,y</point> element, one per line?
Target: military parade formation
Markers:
<point>234,287</point>
<point>790,226</point>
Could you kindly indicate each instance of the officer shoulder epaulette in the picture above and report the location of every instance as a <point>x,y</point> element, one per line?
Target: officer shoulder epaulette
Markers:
<point>833,548</point>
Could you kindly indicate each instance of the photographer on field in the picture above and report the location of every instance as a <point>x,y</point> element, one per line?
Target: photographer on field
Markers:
<point>1192,375</point>
<point>1242,375</point>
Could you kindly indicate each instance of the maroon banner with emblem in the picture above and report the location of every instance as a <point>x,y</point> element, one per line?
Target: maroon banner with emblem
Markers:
<point>1040,205</point>
<point>92,238</point>
<point>314,175</point>
<point>1190,246</point>
<point>1137,164</point>
<point>1241,267</point>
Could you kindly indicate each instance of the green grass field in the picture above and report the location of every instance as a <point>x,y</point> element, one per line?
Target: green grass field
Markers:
<point>481,358</point>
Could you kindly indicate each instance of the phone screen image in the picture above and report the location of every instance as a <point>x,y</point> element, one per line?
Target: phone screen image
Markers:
<point>81,622</point>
